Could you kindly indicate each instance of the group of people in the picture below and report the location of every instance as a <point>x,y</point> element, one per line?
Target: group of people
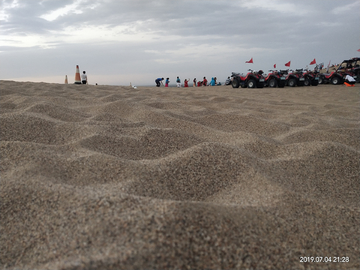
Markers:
<point>204,82</point>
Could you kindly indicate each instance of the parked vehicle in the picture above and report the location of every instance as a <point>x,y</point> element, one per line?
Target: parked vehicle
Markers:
<point>276,78</point>
<point>334,77</point>
<point>351,67</point>
<point>295,78</point>
<point>252,79</point>
<point>311,77</point>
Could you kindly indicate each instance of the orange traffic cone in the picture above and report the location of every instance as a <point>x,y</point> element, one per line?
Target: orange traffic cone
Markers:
<point>66,80</point>
<point>77,75</point>
<point>348,84</point>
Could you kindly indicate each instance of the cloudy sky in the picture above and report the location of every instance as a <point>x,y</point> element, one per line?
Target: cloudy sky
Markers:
<point>123,41</point>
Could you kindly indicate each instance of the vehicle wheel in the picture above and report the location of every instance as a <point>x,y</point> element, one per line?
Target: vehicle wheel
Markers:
<point>272,83</point>
<point>357,76</point>
<point>321,80</point>
<point>235,83</point>
<point>251,83</point>
<point>307,82</point>
<point>336,80</point>
<point>314,82</point>
<point>300,83</point>
<point>292,82</point>
<point>282,84</point>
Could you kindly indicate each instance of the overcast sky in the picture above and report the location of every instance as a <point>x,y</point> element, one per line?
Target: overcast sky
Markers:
<point>118,41</point>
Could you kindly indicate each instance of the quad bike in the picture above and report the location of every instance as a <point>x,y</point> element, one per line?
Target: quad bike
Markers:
<point>334,77</point>
<point>252,79</point>
<point>295,78</point>
<point>311,78</point>
<point>276,78</point>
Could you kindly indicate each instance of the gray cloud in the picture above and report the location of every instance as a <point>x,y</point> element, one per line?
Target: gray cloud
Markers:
<point>176,37</point>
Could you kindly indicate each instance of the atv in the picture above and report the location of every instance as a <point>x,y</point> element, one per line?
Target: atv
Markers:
<point>334,77</point>
<point>338,75</point>
<point>276,78</point>
<point>295,78</point>
<point>252,79</point>
<point>311,78</point>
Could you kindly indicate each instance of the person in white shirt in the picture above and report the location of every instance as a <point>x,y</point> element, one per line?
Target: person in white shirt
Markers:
<point>84,78</point>
<point>349,80</point>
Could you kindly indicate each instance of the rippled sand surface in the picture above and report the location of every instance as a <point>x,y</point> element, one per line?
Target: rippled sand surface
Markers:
<point>106,177</point>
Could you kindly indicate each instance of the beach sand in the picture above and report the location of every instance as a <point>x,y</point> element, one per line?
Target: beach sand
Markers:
<point>107,177</point>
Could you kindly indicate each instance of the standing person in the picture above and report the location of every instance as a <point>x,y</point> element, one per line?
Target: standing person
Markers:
<point>205,82</point>
<point>178,82</point>
<point>84,78</point>
<point>212,83</point>
<point>194,82</point>
<point>186,83</point>
<point>167,82</point>
<point>158,81</point>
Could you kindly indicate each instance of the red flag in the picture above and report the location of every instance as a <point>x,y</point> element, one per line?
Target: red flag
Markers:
<point>250,61</point>
<point>358,50</point>
<point>275,66</point>
<point>313,62</point>
<point>288,64</point>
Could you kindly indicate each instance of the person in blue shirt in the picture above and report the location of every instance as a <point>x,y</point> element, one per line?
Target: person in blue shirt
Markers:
<point>178,82</point>
<point>212,83</point>
<point>158,81</point>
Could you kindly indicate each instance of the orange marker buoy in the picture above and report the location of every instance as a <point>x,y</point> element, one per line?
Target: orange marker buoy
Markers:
<point>66,80</point>
<point>77,75</point>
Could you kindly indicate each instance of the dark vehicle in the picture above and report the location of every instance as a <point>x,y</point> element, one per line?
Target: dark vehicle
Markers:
<point>311,77</point>
<point>295,78</point>
<point>276,78</point>
<point>351,67</point>
<point>252,79</point>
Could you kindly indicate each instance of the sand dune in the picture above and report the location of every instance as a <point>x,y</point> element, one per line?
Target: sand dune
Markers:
<point>106,177</point>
